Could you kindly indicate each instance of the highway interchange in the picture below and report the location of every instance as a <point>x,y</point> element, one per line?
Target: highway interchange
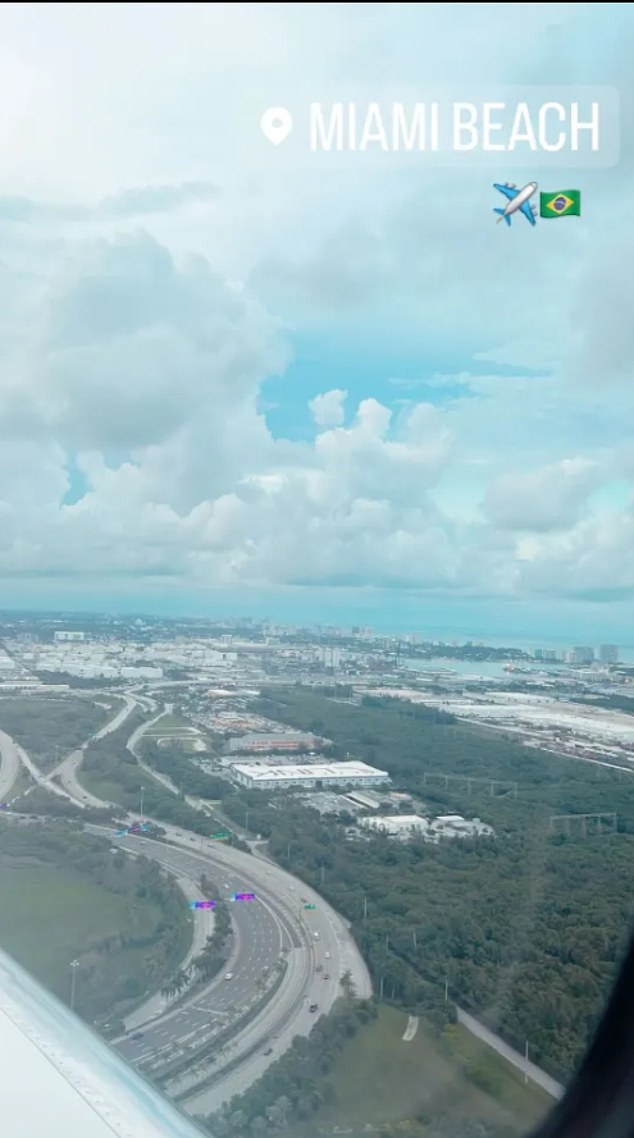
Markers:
<point>274,931</point>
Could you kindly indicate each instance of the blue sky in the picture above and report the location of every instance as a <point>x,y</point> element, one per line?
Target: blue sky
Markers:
<point>237,378</point>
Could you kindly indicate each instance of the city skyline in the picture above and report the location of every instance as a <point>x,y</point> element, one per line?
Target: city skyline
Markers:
<point>527,642</point>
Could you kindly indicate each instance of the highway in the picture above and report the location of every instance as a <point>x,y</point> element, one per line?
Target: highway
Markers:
<point>10,753</point>
<point>66,771</point>
<point>274,927</point>
<point>9,765</point>
<point>272,932</point>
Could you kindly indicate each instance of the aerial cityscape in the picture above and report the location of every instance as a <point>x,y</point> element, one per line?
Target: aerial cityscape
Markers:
<point>231,755</point>
<point>316,571</point>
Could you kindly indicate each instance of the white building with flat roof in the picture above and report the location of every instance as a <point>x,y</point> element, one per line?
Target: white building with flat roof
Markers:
<point>398,825</point>
<point>318,775</point>
<point>406,826</point>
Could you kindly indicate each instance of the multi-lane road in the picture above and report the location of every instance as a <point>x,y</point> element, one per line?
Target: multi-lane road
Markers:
<point>274,928</point>
<point>9,764</point>
<point>296,955</point>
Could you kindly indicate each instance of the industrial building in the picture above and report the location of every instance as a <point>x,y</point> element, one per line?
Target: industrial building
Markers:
<point>406,826</point>
<point>262,776</point>
<point>366,801</point>
<point>397,825</point>
<point>265,742</point>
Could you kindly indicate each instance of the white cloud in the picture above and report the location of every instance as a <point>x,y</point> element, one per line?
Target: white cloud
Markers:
<point>128,356</point>
<point>328,410</point>
<point>594,560</point>
<point>546,499</point>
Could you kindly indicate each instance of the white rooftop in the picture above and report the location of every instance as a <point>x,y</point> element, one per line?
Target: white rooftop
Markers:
<point>323,771</point>
<point>396,822</point>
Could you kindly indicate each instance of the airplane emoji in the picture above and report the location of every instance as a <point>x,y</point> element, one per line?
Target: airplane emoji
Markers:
<point>517,200</point>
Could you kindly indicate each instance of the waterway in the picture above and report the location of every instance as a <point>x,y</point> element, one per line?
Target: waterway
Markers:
<point>488,669</point>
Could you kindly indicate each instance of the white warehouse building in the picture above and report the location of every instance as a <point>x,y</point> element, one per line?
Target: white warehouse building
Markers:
<point>262,776</point>
<point>406,826</point>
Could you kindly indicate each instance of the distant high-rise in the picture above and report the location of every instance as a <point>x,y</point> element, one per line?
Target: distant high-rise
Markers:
<point>609,654</point>
<point>581,655</point>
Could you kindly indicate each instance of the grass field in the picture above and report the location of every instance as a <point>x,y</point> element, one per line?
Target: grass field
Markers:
<point>380,1079</point>
<point>49,915</point>
<point>106,786</point>
<point>170,725</point>
<point>194,744</point>
<point>22,783</point>
<point>53,910</point>
<point>49,727</point>
<point>112,704</point>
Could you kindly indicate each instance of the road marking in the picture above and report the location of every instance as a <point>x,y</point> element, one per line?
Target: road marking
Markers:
<point>411,1029</point>
<point>211,1011</point>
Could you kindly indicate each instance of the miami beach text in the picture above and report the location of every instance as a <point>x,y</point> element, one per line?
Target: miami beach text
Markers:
<point>548,127</point>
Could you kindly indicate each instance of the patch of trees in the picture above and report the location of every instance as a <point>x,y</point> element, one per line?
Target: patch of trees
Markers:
<point>184,773</point>
<point>46,803</point>
<point>109,769</point>
<point>120,968</point>
<point>49,727</point>
<point>297,1085</point>
<point>81,682</point>
<point>526,930</point>
<point>213,955</point>
<point>614,702</point>
<point>336,691</point>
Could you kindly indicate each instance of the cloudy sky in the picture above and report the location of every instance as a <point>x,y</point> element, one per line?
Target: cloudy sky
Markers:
<point>234,381</point>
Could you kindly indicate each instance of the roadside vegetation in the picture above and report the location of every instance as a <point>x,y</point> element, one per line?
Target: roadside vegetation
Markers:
<point>356,1072</point>
<point>49,727</point>
<point>213,956</point>
<point>110,771</point>
<point>171,725</point>
<point>525,930</point>
<point>183,771</point>
<point>45,803</point>
<point>64,895</point>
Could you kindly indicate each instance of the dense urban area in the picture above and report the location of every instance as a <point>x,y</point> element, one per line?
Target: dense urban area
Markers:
<point>317,879</point>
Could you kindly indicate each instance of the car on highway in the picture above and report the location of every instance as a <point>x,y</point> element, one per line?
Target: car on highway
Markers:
<point>228,975</point>
<point>269,1051</point>
<point>316,936</point>
<point>137,1035</point>
<point>313,1007</point>
<point>319,968</point>
<point>327,955</point>
<point>326,975</point>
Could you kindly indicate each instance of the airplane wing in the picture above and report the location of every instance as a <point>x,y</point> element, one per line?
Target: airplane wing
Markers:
<point>509,192</point>
<point>60,1080</point>
<point>529,212</point>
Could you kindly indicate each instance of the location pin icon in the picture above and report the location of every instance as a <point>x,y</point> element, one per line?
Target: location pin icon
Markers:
<point>277,124</point>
